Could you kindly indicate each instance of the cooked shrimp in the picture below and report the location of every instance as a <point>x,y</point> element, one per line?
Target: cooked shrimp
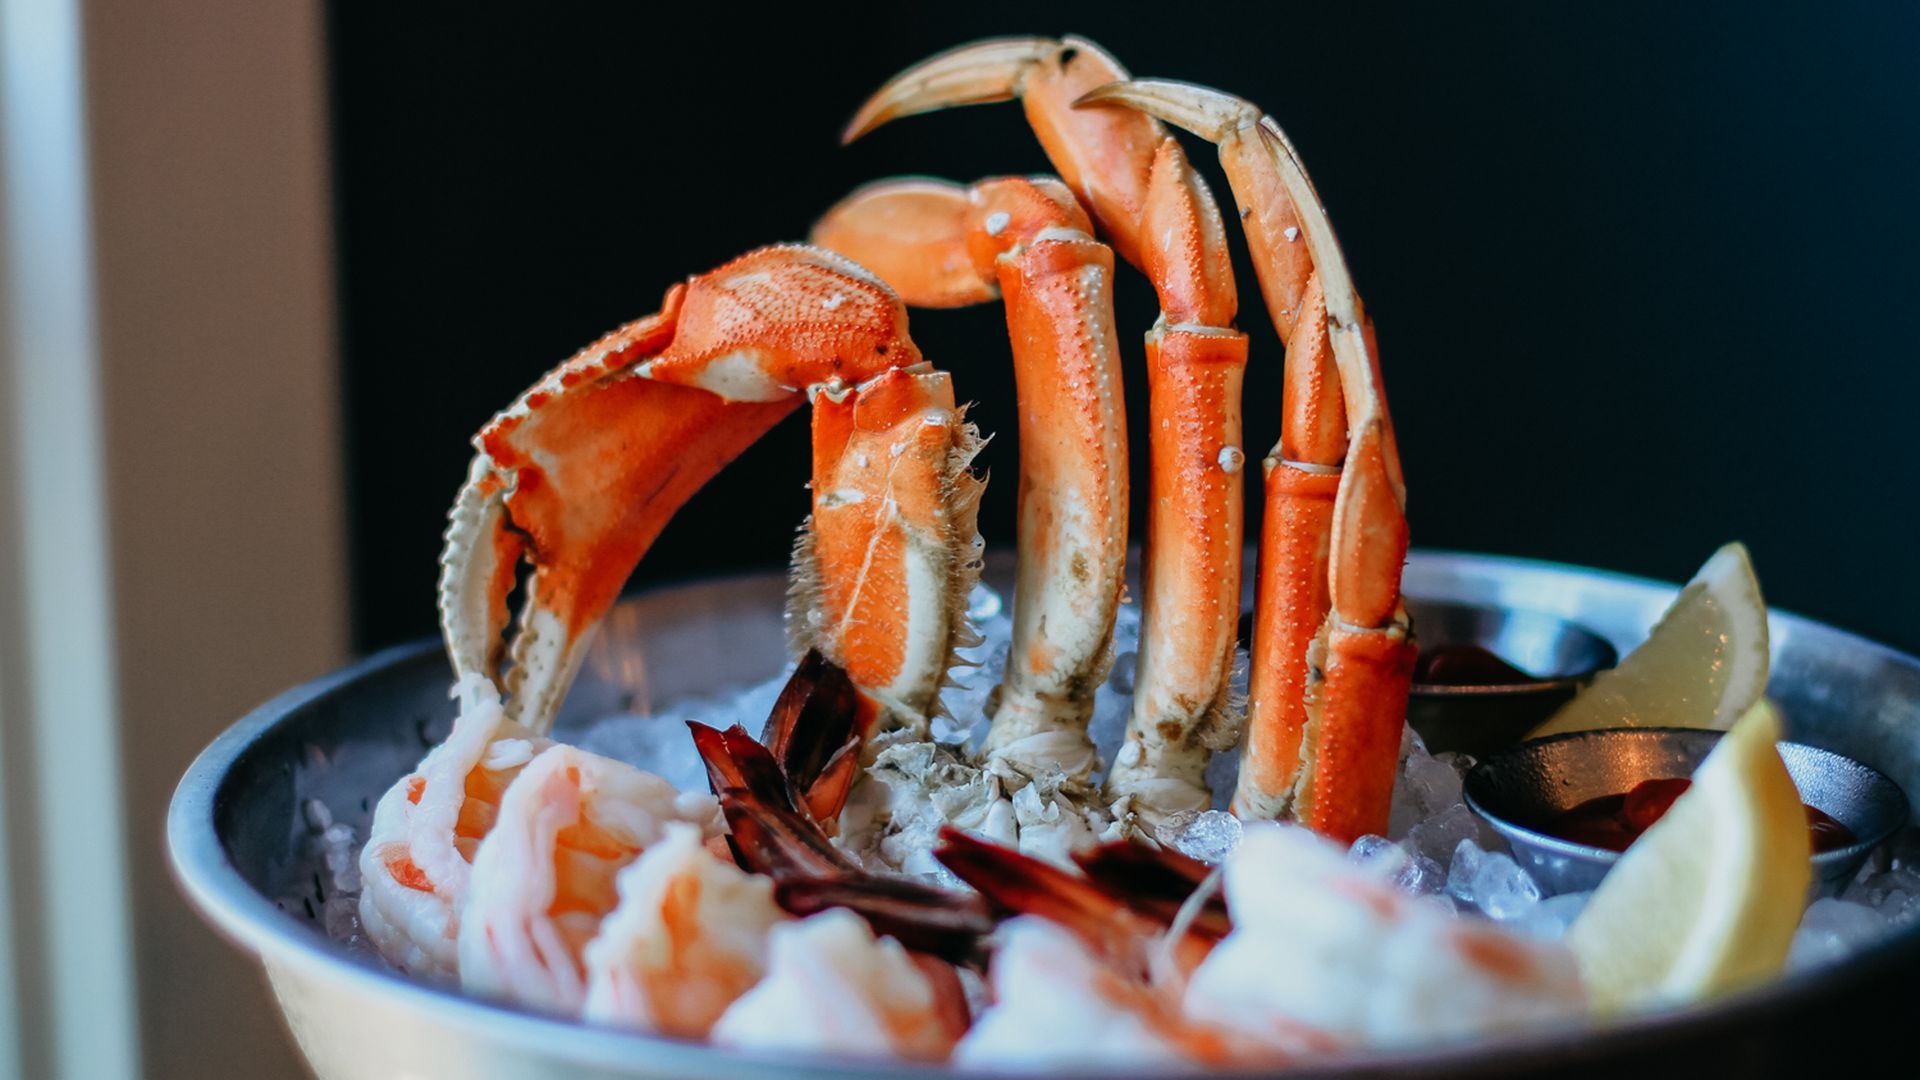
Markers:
<point>543,879</point>
<point>1321,941</point>
<point>688,938</point>
<point>1056,1002</point>
<point>832,987</point>
<point>1097,959</point>
<point>417,862</point>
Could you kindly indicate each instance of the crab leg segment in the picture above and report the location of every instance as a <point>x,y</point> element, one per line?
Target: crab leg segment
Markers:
<point>582,472</point>
<point>1326,755</point>
<point>883,568</point>
<point>1029,239</point>
<point>1191,603</point>
<point>1365,654</point>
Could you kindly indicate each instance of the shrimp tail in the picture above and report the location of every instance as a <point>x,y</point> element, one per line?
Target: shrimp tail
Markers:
<point>925,918</point>
<point>1155,883</point>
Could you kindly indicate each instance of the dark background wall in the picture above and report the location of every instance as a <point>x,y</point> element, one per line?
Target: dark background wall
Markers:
<point>1642,272</point>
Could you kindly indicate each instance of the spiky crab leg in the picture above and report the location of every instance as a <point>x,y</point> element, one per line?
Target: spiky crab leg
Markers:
<point>1330,763</point>
<point>1028,242</point>
<point>1158,215</point>
<point>582,472</point>
<point>882,570</point>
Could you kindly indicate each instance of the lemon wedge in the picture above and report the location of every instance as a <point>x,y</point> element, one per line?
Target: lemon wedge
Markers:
<point>1704,664</point>
<point>1707,900</point>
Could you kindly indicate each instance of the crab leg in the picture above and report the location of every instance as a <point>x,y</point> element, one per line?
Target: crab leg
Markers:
<point>1331,763</point>
<point>582,472</point>
<point>1159,216</point>
<point>1102,154</point>
<point>1028,241</point>
<point>892,545</point>
<point>1191,577</point>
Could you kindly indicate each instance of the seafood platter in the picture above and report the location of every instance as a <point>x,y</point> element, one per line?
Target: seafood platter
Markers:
<point>1084,806</point>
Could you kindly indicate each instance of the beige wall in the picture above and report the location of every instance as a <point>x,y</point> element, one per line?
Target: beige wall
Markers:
<point>218,377</point>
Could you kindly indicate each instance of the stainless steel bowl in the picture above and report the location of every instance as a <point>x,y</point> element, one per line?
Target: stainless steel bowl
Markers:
<point>1517,789</point>
<point>1559,653</point>
<point>235,834</point>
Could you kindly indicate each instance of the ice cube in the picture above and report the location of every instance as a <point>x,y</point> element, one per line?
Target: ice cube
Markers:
<point>1549,919</point>
<point>1436,783</point>
<point>982,604</point>
<point>346,877</point>
<point>1904,877</point>
<point>1425,786</point>
<point>1830,930</point>
<point>1405,811</point>
<point>1405,868</point>
<point>340,917</point>
<point>1899,907</point>
<point>1463,868</point>
<point>1421,876</point>
<point>1370,848</point>
<point>317,815</point>
<point>1502,889</point>
<point>1207,835</point>
<point>950,730</point>
<point>1439,836</point>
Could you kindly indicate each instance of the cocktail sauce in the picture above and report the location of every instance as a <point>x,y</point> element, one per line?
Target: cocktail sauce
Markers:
<point>1466,665</point>
<point>1614,821</point>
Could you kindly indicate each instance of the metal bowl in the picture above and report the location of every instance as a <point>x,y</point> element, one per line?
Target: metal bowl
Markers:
<point>1480,720</point>
<point>236,834</point>
<point>1519,788</point>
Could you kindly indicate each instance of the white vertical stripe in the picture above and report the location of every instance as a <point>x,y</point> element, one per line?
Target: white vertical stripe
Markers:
<point>63,648</point>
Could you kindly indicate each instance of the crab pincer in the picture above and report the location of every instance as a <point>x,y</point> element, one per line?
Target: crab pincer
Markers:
<point>581,473</point>
<point>1027,242</point>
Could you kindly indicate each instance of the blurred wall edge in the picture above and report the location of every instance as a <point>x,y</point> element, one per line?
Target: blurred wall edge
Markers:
<point>172,549</point>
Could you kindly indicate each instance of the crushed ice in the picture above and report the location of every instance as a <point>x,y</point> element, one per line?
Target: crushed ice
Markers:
<point>1207,835</point>
<point>330,896</point>
<point>1434,846</point>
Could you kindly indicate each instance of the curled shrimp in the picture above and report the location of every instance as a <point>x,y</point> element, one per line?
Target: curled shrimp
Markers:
<point>1321,941</point>
<point>1096,962</point>
<point>543,879</point>
<point>417,861</point>
<point>688,938</point>
<point>1057,1002</point>
<point>833,987</point>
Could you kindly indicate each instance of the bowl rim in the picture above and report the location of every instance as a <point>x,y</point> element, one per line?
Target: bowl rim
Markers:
<point>251,921</point>
<point>1558,684</point>
<point>1556,845</point>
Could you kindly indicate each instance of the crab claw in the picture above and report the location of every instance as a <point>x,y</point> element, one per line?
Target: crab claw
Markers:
<point>1104,155</point>
<point>883,568</point>
<point>582,472</point>
<point>1275,193</point>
